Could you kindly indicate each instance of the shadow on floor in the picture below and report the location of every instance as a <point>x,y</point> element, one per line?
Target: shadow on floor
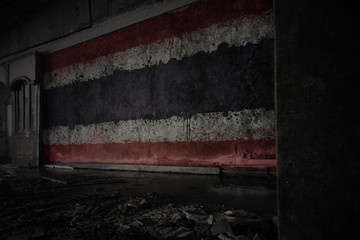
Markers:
<point>82,204</point>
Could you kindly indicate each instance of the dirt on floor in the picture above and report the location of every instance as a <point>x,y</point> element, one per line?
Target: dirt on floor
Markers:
<point>39,207</point>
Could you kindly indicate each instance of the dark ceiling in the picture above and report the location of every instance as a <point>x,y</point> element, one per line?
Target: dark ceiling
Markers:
<point>13,12</point>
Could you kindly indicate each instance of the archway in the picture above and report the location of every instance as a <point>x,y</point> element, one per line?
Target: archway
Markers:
<point>24,118</point>
<point>4,100</point>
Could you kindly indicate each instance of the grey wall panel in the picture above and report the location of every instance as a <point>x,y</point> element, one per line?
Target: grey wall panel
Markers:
<point>103,23</point>
<point>101,10</point>
<point>23,67</point>
<point>57,19</point>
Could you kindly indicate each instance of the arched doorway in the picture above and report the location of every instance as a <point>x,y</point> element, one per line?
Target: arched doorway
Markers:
<point>4,100</point>
<point>25,120</point>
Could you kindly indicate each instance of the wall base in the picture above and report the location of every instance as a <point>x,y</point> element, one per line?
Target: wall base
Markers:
<point>139,168</point>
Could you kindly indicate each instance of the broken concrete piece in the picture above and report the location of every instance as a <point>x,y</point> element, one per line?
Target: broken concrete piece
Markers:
<point>123,227</point>
<point>224,237</point>
<point>175,232</point>
<point>165,230</point>
<point>230,219</point>
<point>136,223</point>
<point>187,215</point>
<point>242,237</point>
<point>210,219</point>
<point>197,218</point>
<point>230,234</point>
<point>258,236</point>
<point>184,234</point>
<point>54,180</point>
<point>180,230</point>
<point>175,217</point>
<point>228,212</point>
<point>201,229</point>
<point>220,226</point>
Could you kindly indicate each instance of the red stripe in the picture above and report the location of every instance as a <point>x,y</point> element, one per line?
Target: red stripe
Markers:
<point>240,154</point>
<point>199,15</point>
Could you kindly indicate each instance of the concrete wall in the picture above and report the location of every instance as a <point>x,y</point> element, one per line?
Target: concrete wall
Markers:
<point>191,87</point>
<point>318,109</point>
<point>103,10</point>
<point>51,21</point>
<point>54,20</point>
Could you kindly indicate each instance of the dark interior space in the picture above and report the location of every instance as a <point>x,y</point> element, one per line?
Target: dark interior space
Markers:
<point>192,119</point>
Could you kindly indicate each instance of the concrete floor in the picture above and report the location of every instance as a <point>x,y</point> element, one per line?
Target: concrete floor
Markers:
<point>254,193</point>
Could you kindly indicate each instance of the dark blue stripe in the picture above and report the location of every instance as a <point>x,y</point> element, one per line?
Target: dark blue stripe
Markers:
<point>229,79</point>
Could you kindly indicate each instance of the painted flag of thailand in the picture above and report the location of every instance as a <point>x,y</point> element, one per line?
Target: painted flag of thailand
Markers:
<point>191,87</point>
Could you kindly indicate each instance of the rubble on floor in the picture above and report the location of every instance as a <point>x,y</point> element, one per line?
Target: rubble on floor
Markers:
<point>50,209</point>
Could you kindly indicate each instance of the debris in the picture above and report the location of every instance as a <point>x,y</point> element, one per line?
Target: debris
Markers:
<point>166,230</point>
<point>136,223</point>
<point>175,232</point>
<point>123,227</point>
<point>220,226</point>
<point>259,236</point>
<point>99,210</point>
<point>224,237</point>
<point>229,212</point>
<point>59,166</point>
<point>230,234</point>
<point>54,180</point>
<point>201,229</point>
<point>230,219</point>
<point>184,234</point>
<point>242,237</point>
<point>188,215</point>
<point>198,218</point>
<point>210,219</point>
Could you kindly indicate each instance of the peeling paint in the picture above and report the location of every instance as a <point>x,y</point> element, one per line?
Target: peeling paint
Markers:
<point>192,87</point>
<point>247,124</point>
<point>239,154</point>
<point>247,30</point>
<point>229,79</point>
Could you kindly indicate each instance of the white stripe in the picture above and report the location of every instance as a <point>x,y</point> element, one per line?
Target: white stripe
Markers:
<point>238,32</point>
<point>215,126</point>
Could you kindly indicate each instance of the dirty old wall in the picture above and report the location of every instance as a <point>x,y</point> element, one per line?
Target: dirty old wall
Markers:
<point>51,20</point>
<point>46,21</point>
<point>318,116</point>
<point>3,137</point>
<point>192,87</point>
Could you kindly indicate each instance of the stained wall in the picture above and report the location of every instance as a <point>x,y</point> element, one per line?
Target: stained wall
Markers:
<point>191,87</point>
